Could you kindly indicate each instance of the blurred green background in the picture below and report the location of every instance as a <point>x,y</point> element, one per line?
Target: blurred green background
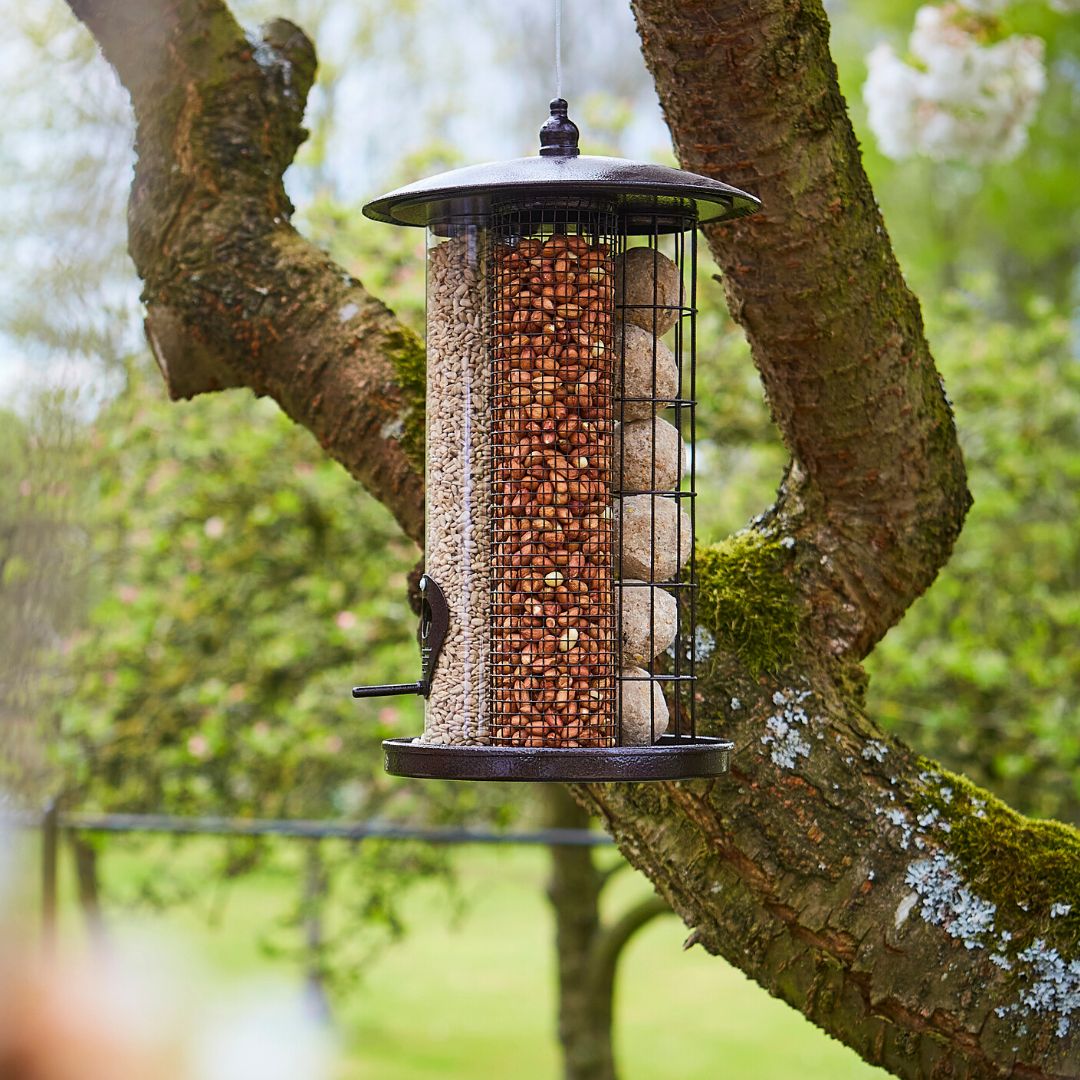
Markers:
<point>186,591</point>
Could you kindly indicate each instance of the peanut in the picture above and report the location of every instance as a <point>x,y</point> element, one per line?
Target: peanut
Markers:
<point>552,437</point>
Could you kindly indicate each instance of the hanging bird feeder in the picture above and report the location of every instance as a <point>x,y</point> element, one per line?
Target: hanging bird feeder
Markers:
<point>558,633</point>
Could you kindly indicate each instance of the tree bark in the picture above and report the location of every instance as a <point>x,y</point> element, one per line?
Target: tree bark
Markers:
<point>877,489</point>
<point>574,891</point>
<point>234,295</point>
<point>86,877</point>
<point>903,910</point>
<point>587,948</point>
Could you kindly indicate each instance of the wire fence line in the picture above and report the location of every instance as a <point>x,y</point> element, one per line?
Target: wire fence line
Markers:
<point>325,830</point>
<point>54,822</point>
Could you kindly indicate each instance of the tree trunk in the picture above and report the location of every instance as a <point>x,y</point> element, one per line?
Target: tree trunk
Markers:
<point>905,911</point>
<point>587,949</point>
<point>86,877</point>
<point>574,891</point>
<point>316,888</point>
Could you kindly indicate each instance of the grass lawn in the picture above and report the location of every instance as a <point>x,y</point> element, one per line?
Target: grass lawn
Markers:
<point>472,997</point>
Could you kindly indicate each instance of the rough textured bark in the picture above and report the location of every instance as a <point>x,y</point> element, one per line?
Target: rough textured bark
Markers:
<point>234,295</point>
<point>877,491</point>
<point>904,911</point>
<point>587,948</point>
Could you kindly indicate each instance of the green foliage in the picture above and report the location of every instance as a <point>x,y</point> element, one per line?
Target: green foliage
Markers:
<point>242,584</point>
<point>984,671</point>
<point>747,601</point>
<point>39,584</point>
<point>738,455</point>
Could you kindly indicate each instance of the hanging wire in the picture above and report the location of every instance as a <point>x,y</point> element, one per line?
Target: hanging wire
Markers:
<point>558,48</point>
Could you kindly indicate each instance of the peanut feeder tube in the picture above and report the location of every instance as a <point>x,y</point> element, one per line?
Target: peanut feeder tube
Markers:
<point>558,633</point>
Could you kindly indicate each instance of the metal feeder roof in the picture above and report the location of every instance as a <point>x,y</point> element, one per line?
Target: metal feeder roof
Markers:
<point>634,187</point>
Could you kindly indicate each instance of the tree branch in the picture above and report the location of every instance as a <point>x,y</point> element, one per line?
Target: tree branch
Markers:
<point>610,941</point>
<point>861,884</point>
<point>895,905</point>
<point>234,295</point>
<point>878,486</point>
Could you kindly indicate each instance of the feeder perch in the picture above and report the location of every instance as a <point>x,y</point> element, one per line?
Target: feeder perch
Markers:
<point>558,634</point>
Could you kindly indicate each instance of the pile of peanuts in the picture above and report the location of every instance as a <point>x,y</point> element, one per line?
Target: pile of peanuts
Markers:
<point>458,554</point>
<point>553,629</point>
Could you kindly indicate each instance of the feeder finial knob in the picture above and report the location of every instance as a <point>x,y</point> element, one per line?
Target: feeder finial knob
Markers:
<point>559,135</point>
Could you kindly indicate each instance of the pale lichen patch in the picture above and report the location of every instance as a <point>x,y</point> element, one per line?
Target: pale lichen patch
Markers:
<point>785,729</point>
<point>704,645</point>
<point>393,429</point>
<point>987,864</point>
<point>946,901</point>
<point>1053,986</point>
<point>874,751</point>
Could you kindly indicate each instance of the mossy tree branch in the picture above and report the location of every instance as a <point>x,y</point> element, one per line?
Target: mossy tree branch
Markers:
<point>234,295</point>
<point>831,866</point>
<point>877,490</point>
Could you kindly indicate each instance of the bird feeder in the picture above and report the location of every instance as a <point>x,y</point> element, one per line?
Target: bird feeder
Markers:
<point>558,630</point>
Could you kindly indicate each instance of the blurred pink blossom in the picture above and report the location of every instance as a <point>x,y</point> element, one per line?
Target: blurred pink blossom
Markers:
<point>214,527</point>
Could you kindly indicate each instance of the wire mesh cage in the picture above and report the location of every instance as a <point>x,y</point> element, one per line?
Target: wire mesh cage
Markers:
<point>559,618</point>
<point>553,624</point>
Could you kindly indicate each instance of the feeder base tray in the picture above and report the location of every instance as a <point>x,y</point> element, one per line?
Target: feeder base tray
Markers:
<point>672,758</point>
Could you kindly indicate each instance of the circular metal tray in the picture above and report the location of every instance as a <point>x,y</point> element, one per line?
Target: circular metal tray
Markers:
<point>673,757</point>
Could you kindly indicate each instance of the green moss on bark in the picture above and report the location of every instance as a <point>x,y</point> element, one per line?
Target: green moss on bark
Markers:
<point>1013,861</point>
<point>746,599</point>
<point>409,361</point>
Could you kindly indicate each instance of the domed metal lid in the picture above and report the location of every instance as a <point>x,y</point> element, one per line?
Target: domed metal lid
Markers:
<point>635,189</point>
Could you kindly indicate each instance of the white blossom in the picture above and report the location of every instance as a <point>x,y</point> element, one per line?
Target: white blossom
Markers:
<point>960,99</point>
